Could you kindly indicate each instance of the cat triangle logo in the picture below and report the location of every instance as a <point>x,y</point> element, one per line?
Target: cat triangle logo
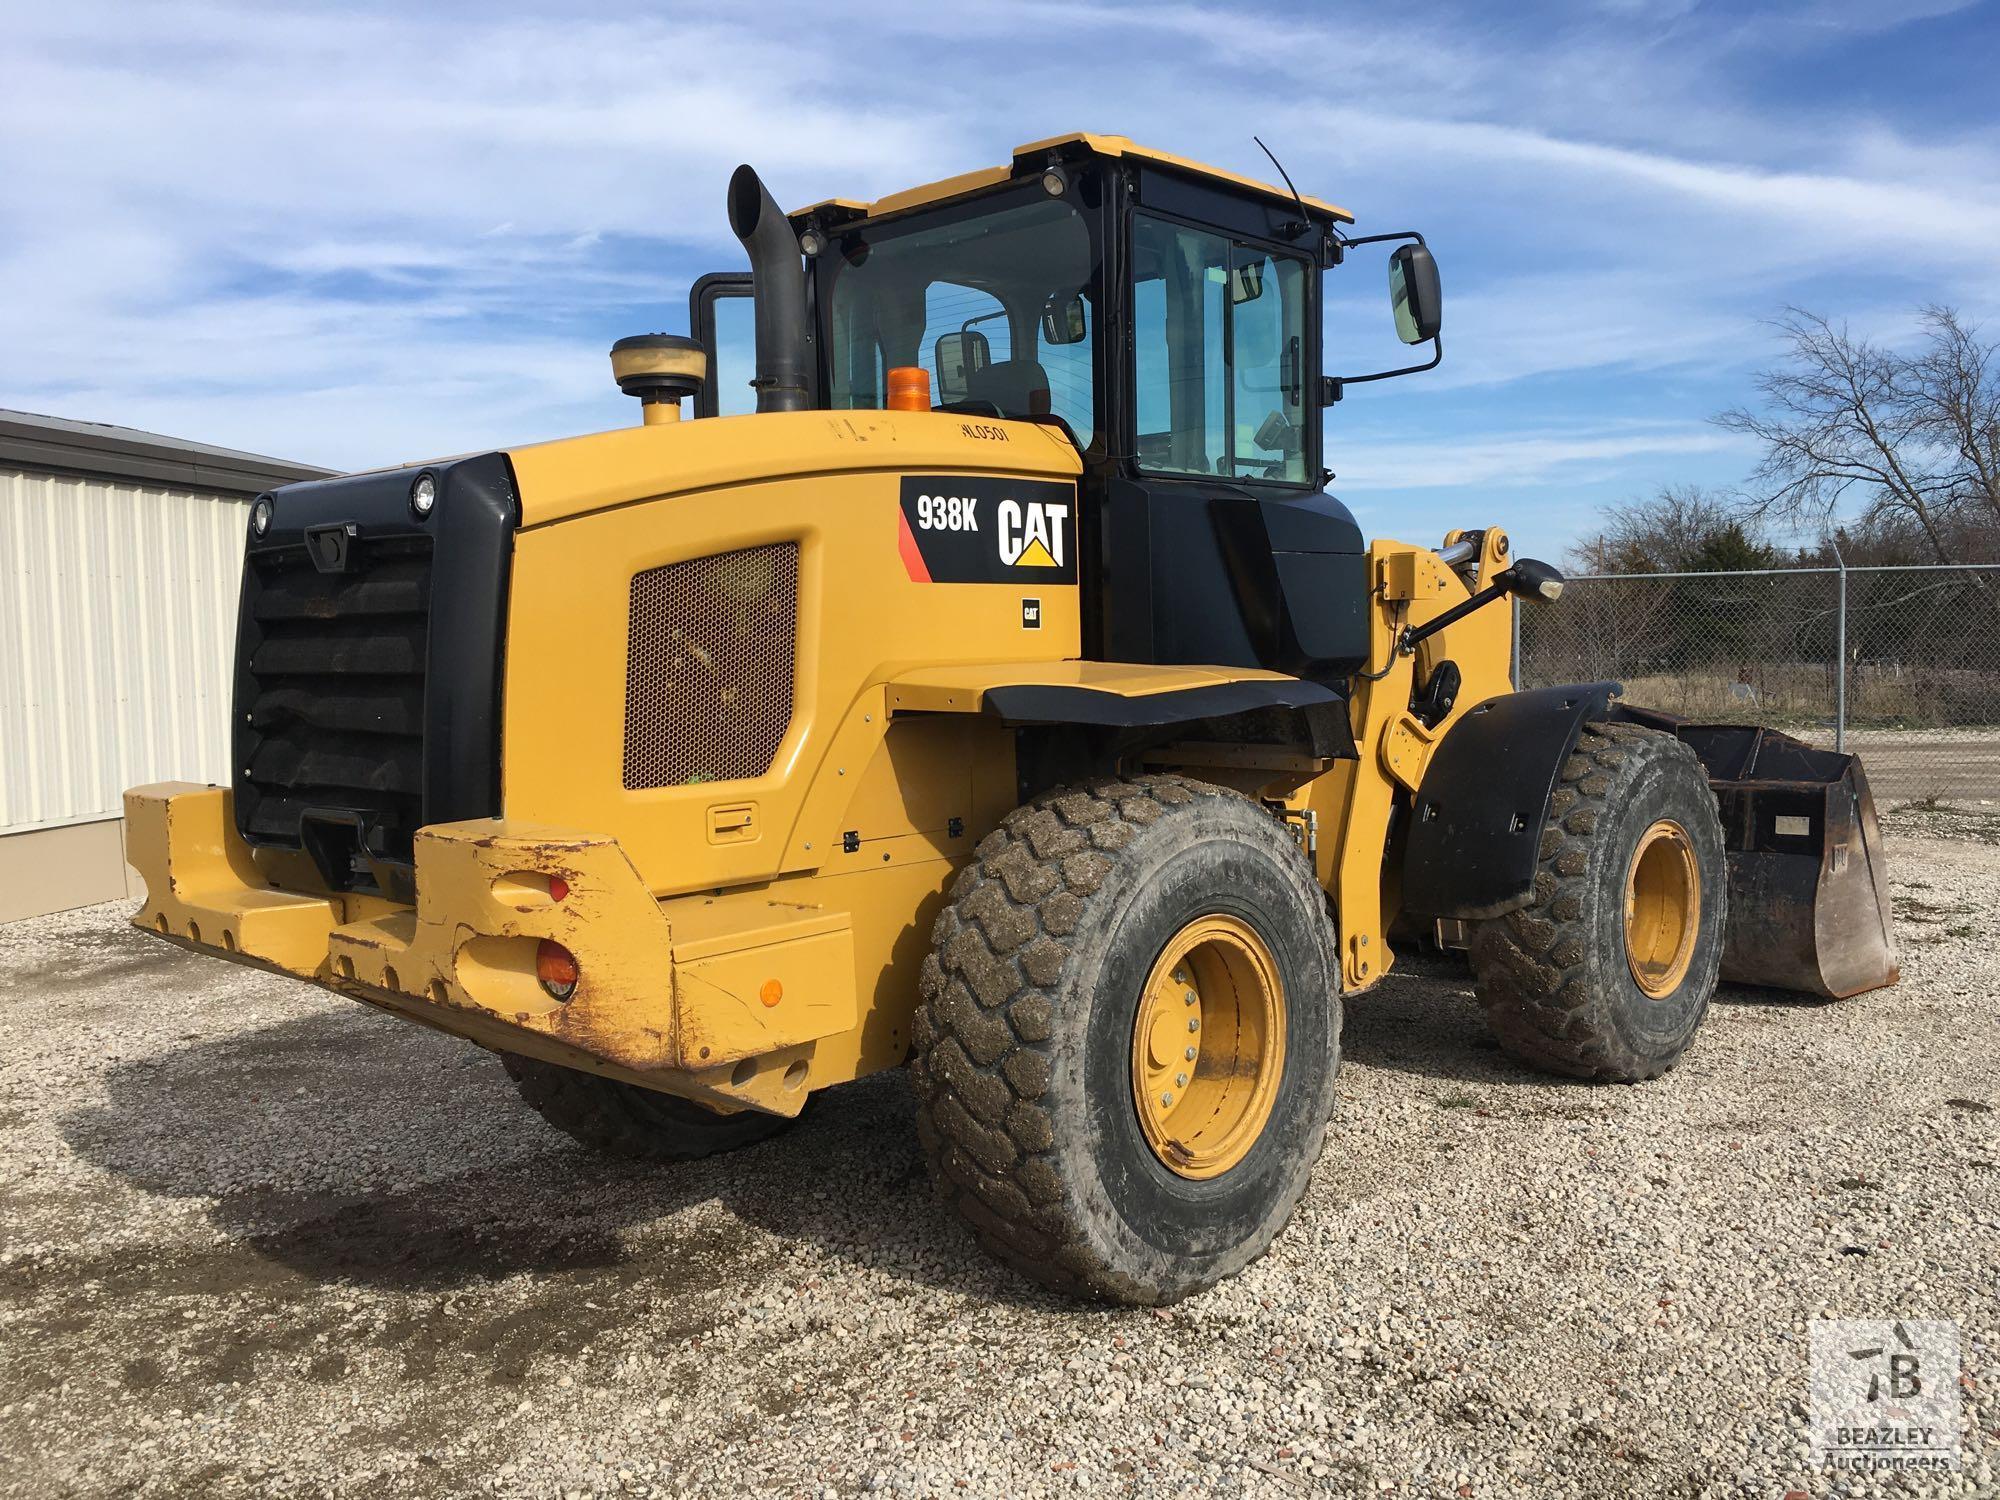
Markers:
<point>1035,556</point>
<point>1031,535</point>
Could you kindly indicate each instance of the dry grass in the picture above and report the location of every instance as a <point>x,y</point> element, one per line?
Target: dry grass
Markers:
<point>1801,695</point>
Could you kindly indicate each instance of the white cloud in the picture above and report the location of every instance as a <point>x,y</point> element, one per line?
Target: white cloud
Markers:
<point>1834,208</point>
<point>1578,454</point>
<point>353,234</point>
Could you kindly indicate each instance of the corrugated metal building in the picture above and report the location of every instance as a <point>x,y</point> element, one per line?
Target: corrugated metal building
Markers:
<point>120,556</point>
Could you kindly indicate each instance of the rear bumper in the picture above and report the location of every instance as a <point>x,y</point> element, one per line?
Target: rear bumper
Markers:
<point>720,999</point>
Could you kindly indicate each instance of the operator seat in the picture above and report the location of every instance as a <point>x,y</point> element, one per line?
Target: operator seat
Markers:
<point>1013,387</point>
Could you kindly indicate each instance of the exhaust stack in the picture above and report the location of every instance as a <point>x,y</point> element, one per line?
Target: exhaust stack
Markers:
<point>779,286</point>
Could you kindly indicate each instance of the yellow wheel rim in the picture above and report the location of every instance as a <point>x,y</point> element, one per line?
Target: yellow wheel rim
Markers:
<point>1662,909</point>
<point>1208,1046</point>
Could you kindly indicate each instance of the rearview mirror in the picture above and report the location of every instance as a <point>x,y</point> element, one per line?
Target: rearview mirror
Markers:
<point>1246,282</point>
<point>1063,319</point>
<point>1279,434</point>
<point>1414,296</point>
<point>959,356</point>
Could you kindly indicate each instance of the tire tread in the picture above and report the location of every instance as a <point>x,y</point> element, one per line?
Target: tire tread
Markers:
<point>1542,1000</point>
<point>983,1053</point>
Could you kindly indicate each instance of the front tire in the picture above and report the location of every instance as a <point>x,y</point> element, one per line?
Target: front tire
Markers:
<point>1101,933</point>
<point>1606,973</point>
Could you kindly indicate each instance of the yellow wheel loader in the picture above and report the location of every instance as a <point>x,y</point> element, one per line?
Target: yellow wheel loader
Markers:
<point>1005,697</point>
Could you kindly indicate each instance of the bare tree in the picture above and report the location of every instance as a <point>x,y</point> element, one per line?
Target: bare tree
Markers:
<point>1680,528</point>
<point>1956,381</point>
<point>1893,438</point>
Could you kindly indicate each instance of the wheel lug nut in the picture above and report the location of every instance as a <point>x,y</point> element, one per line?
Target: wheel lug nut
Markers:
<point>1193,1024</point>
<point>1188,999</point>
<point>1181,1079</point>
<point>1190,1054</point>
<point>1166,1099</point>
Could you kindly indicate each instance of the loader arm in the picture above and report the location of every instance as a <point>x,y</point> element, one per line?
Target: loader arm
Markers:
<point>1396,731</point>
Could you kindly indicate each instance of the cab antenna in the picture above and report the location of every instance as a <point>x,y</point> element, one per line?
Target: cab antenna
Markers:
<point>1302,224</point>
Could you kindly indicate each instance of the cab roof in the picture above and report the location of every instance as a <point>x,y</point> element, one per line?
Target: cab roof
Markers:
<point>1032,156</point>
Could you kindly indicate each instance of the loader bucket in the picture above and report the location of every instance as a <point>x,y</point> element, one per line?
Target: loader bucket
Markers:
<point>1808,891</point>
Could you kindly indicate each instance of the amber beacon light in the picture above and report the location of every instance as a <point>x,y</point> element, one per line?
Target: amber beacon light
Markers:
<point>909,388</point>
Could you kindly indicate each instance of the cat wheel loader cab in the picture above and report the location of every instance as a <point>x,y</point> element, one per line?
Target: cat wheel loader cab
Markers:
<point>1004,696</point>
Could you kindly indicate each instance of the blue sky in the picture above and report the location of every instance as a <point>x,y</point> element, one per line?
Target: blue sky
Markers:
<point>361,234</point>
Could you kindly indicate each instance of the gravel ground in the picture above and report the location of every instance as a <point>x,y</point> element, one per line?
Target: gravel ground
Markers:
<point>256,1239</point>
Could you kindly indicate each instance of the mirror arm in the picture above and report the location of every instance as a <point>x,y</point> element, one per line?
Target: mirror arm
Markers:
<point>1333,387</point>
<point>1348,242</point>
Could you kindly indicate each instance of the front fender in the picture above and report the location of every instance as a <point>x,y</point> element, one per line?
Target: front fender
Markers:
<point>1477,827</point>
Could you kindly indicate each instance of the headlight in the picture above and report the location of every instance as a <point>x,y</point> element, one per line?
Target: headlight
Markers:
<point>423,495</point>
<point>260,516</point>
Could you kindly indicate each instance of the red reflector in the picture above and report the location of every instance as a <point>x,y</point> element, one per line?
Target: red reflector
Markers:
<point>558,888</point>
<point>555,967</point>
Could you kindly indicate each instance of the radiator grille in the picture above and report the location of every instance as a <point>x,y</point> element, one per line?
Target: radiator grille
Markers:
<point>333,696</point>
<point>708,669</point>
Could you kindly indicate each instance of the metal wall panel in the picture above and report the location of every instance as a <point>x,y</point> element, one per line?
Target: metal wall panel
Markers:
<point>117,629</point>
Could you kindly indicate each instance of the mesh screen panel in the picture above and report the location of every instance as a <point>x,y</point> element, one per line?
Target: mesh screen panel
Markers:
<point>708,668</point>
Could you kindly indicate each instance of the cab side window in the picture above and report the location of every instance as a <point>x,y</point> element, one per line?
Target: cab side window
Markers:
<point>1177,328</point>
<point>1219,350</point>
<point>1267,367</point>
<point>735,356</point>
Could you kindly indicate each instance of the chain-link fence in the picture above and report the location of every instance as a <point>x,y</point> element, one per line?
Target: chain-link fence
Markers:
<point>1899,665</point>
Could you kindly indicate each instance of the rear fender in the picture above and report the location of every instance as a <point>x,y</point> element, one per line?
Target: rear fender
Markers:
<point>1108,695</point>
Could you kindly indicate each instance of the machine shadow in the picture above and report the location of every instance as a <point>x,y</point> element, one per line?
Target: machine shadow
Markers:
<point>346,1146</point>
<point>1423,1020</point>
<point>1758,995</point>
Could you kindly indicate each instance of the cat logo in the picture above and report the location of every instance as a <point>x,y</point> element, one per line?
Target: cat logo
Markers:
<point>987,528</point>
<point>1030,536</point>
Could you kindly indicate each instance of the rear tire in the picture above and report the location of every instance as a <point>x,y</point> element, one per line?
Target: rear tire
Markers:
<point>1606,973</point>
<point>622,1119</point>
<point>1055,993</point>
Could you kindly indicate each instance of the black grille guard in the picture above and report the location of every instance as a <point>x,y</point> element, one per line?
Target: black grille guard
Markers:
<point>369,660</point>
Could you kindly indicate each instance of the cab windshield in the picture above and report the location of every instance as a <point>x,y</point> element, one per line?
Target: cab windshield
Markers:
<point>998,307</point>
